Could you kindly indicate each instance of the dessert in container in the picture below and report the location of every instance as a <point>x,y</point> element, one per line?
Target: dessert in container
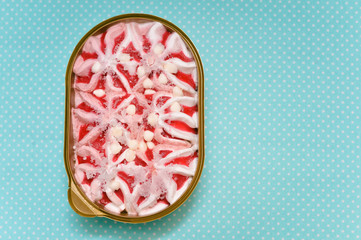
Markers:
<point>81,199</point>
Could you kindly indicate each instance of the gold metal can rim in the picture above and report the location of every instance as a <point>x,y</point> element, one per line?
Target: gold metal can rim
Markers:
<point>76,197</point>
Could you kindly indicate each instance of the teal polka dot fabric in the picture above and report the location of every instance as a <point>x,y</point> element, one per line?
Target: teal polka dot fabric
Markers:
<point>282,119</point>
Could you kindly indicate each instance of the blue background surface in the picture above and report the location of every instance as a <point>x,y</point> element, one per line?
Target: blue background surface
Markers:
<point>282,99</point>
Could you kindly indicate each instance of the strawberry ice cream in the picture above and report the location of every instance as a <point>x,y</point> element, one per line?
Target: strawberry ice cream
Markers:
<point>135,118</point>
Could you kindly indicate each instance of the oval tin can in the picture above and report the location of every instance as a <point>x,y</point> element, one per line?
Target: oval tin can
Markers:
<point>77,199</point>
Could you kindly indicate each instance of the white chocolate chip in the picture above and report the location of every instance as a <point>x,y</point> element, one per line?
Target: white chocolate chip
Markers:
<point>142,146</point>
<point>131,109</point>
<point>130,155</point>
<point>149,92</point>
<point>177,92</point>
<point>96,67</point>
<point>150,145</point>
<point>123,57</point>
<point>116,132</point>
<point>140,71</point>
<point>148,136</point>
<point>114,185</point>
<point>158,49</point>
<point>133,144</point>
<point>176,107</point>
<point>115,148</point>
<point>153,119</point>
<point>99,92</point>
<point>170,67</point>
<point>162,79</point>
<point>147,83</point>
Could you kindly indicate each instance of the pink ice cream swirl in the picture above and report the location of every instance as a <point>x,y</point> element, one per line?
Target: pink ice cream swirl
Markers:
<point>135,118</point>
